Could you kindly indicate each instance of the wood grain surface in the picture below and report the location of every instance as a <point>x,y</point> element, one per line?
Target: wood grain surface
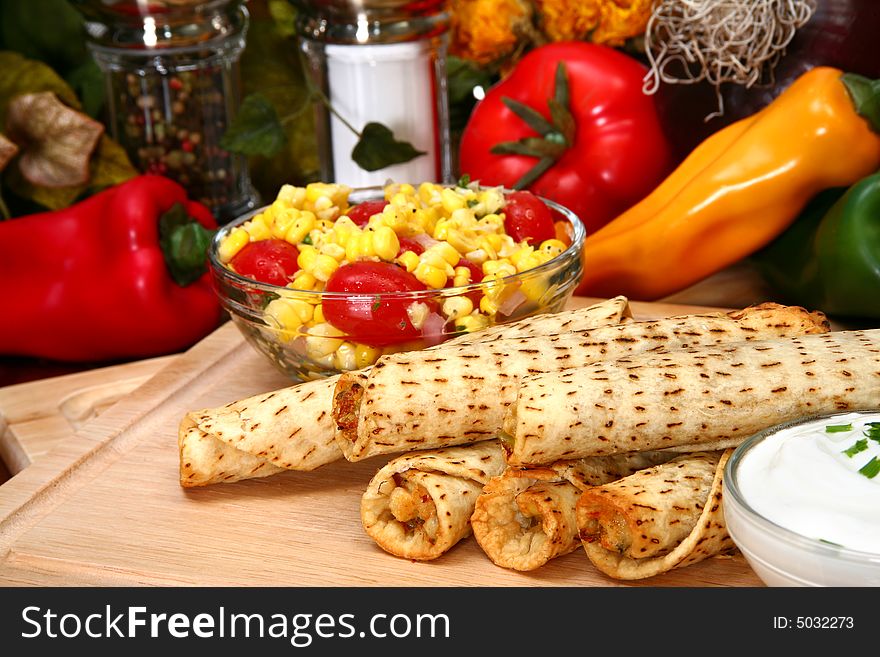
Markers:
<point>103,506</point>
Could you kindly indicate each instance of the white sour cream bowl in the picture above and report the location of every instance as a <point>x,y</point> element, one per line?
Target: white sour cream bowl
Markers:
<point>802,501</point>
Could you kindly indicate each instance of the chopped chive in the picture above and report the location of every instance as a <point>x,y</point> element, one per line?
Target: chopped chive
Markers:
<point>464,181</point>
<point>827,542</point>
<point>872,431</point>
<point>860,446</point>
<point>376,303</point>
<point>472,202</point>
<point>871,469</point>
<point>307,239</point>
<point>838,428</point>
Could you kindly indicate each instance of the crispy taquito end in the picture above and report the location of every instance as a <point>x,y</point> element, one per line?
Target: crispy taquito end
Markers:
<point>287,429</point>
<point>459,394</point>
<point>523,518</point>
<point>650,522</point>
<point>419,505</point>
<point>690,398</point>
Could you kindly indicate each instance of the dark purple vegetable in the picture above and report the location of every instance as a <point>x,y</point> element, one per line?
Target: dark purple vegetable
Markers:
<point>842,33</point>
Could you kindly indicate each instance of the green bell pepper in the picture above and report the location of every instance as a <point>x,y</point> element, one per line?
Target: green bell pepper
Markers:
<point>829,259</point>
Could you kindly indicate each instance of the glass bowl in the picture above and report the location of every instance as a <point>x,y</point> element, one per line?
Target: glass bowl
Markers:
<point>320,351</point>
<point>781,556</point>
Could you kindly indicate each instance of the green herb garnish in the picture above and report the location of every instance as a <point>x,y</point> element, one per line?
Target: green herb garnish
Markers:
<point>376,304</point>
<point>872,431</point>
<point>838,428</point>
<point>307,239</point>
<point>464,181</point>
<point>472,202</point>
<point>860,446</point>
<point>871,469</point>
<point>827,542</point>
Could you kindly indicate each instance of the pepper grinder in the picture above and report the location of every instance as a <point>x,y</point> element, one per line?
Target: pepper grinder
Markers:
<point>171,72</point>
<point>379,61</point>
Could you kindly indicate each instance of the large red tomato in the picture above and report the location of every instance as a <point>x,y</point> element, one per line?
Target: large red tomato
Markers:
<point>596,133</point>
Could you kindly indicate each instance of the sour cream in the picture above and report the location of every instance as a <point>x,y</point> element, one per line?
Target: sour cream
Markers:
<point>807,479</point>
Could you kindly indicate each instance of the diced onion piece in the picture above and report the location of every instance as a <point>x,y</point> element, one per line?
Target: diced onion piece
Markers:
<point>511,303</point>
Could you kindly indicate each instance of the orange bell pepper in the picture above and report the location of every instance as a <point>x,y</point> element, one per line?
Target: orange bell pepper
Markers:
<point>740,188</point>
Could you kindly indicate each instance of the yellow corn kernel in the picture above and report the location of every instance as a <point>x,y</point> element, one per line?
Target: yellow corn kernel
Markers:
<point>409,260</point>
<point>489,306</point>
<point>307,258</point>
<point>477,256</point>
<point>293,197</point>
<point>258,228</point>
<point>417,313</point>
<point>318,315</point>
<point>302,280</point>
<point>365,355</point>
<point>429,193</point>
<point>553,247</point>
<point>441,229</point>
<point>518,257</point>
<point>303,309</point>
<point>357,246</point>
<point>232,244</point>
<point>500,267</point>
<point>280,314</point>
<point>486,246</point>
<point>461,241</point>
<point>471,323</point>
<point>451,201</point>
<point>534,289</point>
<point>455,307</point>
<point>531,261</point>
<point>385,243</point>
<point>282,220</point>
<point>492,200</point>
<point>301,226</point>
<point>432,276</point>
<point>494,221</point>
<point>324,267</point>
<point>322,340</point>
<point>334,251</point>
<point>462,277</point>
<point>345,357</point>
<point>493,286</point>
<point>399,189</point>
<point>447,252</point>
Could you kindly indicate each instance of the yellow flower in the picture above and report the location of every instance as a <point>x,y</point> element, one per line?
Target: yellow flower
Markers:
<point>609,22</point>
<point>484,31</point>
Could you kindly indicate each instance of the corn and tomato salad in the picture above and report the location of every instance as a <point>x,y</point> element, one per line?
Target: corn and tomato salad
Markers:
<point>379,254</point>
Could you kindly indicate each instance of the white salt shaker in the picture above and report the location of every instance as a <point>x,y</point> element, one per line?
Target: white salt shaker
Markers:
<point>379,61</point>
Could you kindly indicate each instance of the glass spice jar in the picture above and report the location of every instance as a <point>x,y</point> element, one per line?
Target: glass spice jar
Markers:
<point>379,61</point>
<point>172,82</point>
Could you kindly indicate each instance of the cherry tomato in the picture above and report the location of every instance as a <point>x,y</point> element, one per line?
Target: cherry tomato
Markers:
<point>372,319</point>
<point>409,244</point>
<point>361,213</point>
<point>527,218</point>
<point>268,261</point>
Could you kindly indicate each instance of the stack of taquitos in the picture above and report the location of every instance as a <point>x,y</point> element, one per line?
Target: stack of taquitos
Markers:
<point>459,395</point>
<point>692,399</point>
<point>292,429</point>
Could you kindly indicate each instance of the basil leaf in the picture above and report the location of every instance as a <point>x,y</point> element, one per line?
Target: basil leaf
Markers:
<point>377,148</point>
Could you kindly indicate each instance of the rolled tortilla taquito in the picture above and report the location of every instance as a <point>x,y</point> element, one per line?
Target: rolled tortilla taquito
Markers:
<point>291,428</point>
<point>458,395</point>
<point>657,519</point>
<point>523,518</point>
<point>689,399</point>
<point>419,505</point>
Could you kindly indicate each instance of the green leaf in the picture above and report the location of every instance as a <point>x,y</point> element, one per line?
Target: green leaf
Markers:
<point>184,242</point>
<point>563,119</point>
<point>255,130</point>
<point>377,148</point>
<point>50,31</point>
<point>532,146</point>
<point>534,173</point>
<point>87,81</point>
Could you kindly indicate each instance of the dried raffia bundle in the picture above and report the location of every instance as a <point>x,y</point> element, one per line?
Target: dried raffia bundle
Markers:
<point>738,41</point>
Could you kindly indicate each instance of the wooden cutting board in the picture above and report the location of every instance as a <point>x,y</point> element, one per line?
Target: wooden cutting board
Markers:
<point>103,506</point>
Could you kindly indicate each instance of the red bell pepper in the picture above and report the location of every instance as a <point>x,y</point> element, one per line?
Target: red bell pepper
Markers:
<point>91,282</point>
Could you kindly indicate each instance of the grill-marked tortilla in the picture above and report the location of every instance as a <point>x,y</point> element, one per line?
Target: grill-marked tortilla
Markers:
<point>657,519</point>
<point>523,518</point>
<point>698,398</point>
<point>419,505</point>
<point>291,428</point>
<point>459,394</point>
